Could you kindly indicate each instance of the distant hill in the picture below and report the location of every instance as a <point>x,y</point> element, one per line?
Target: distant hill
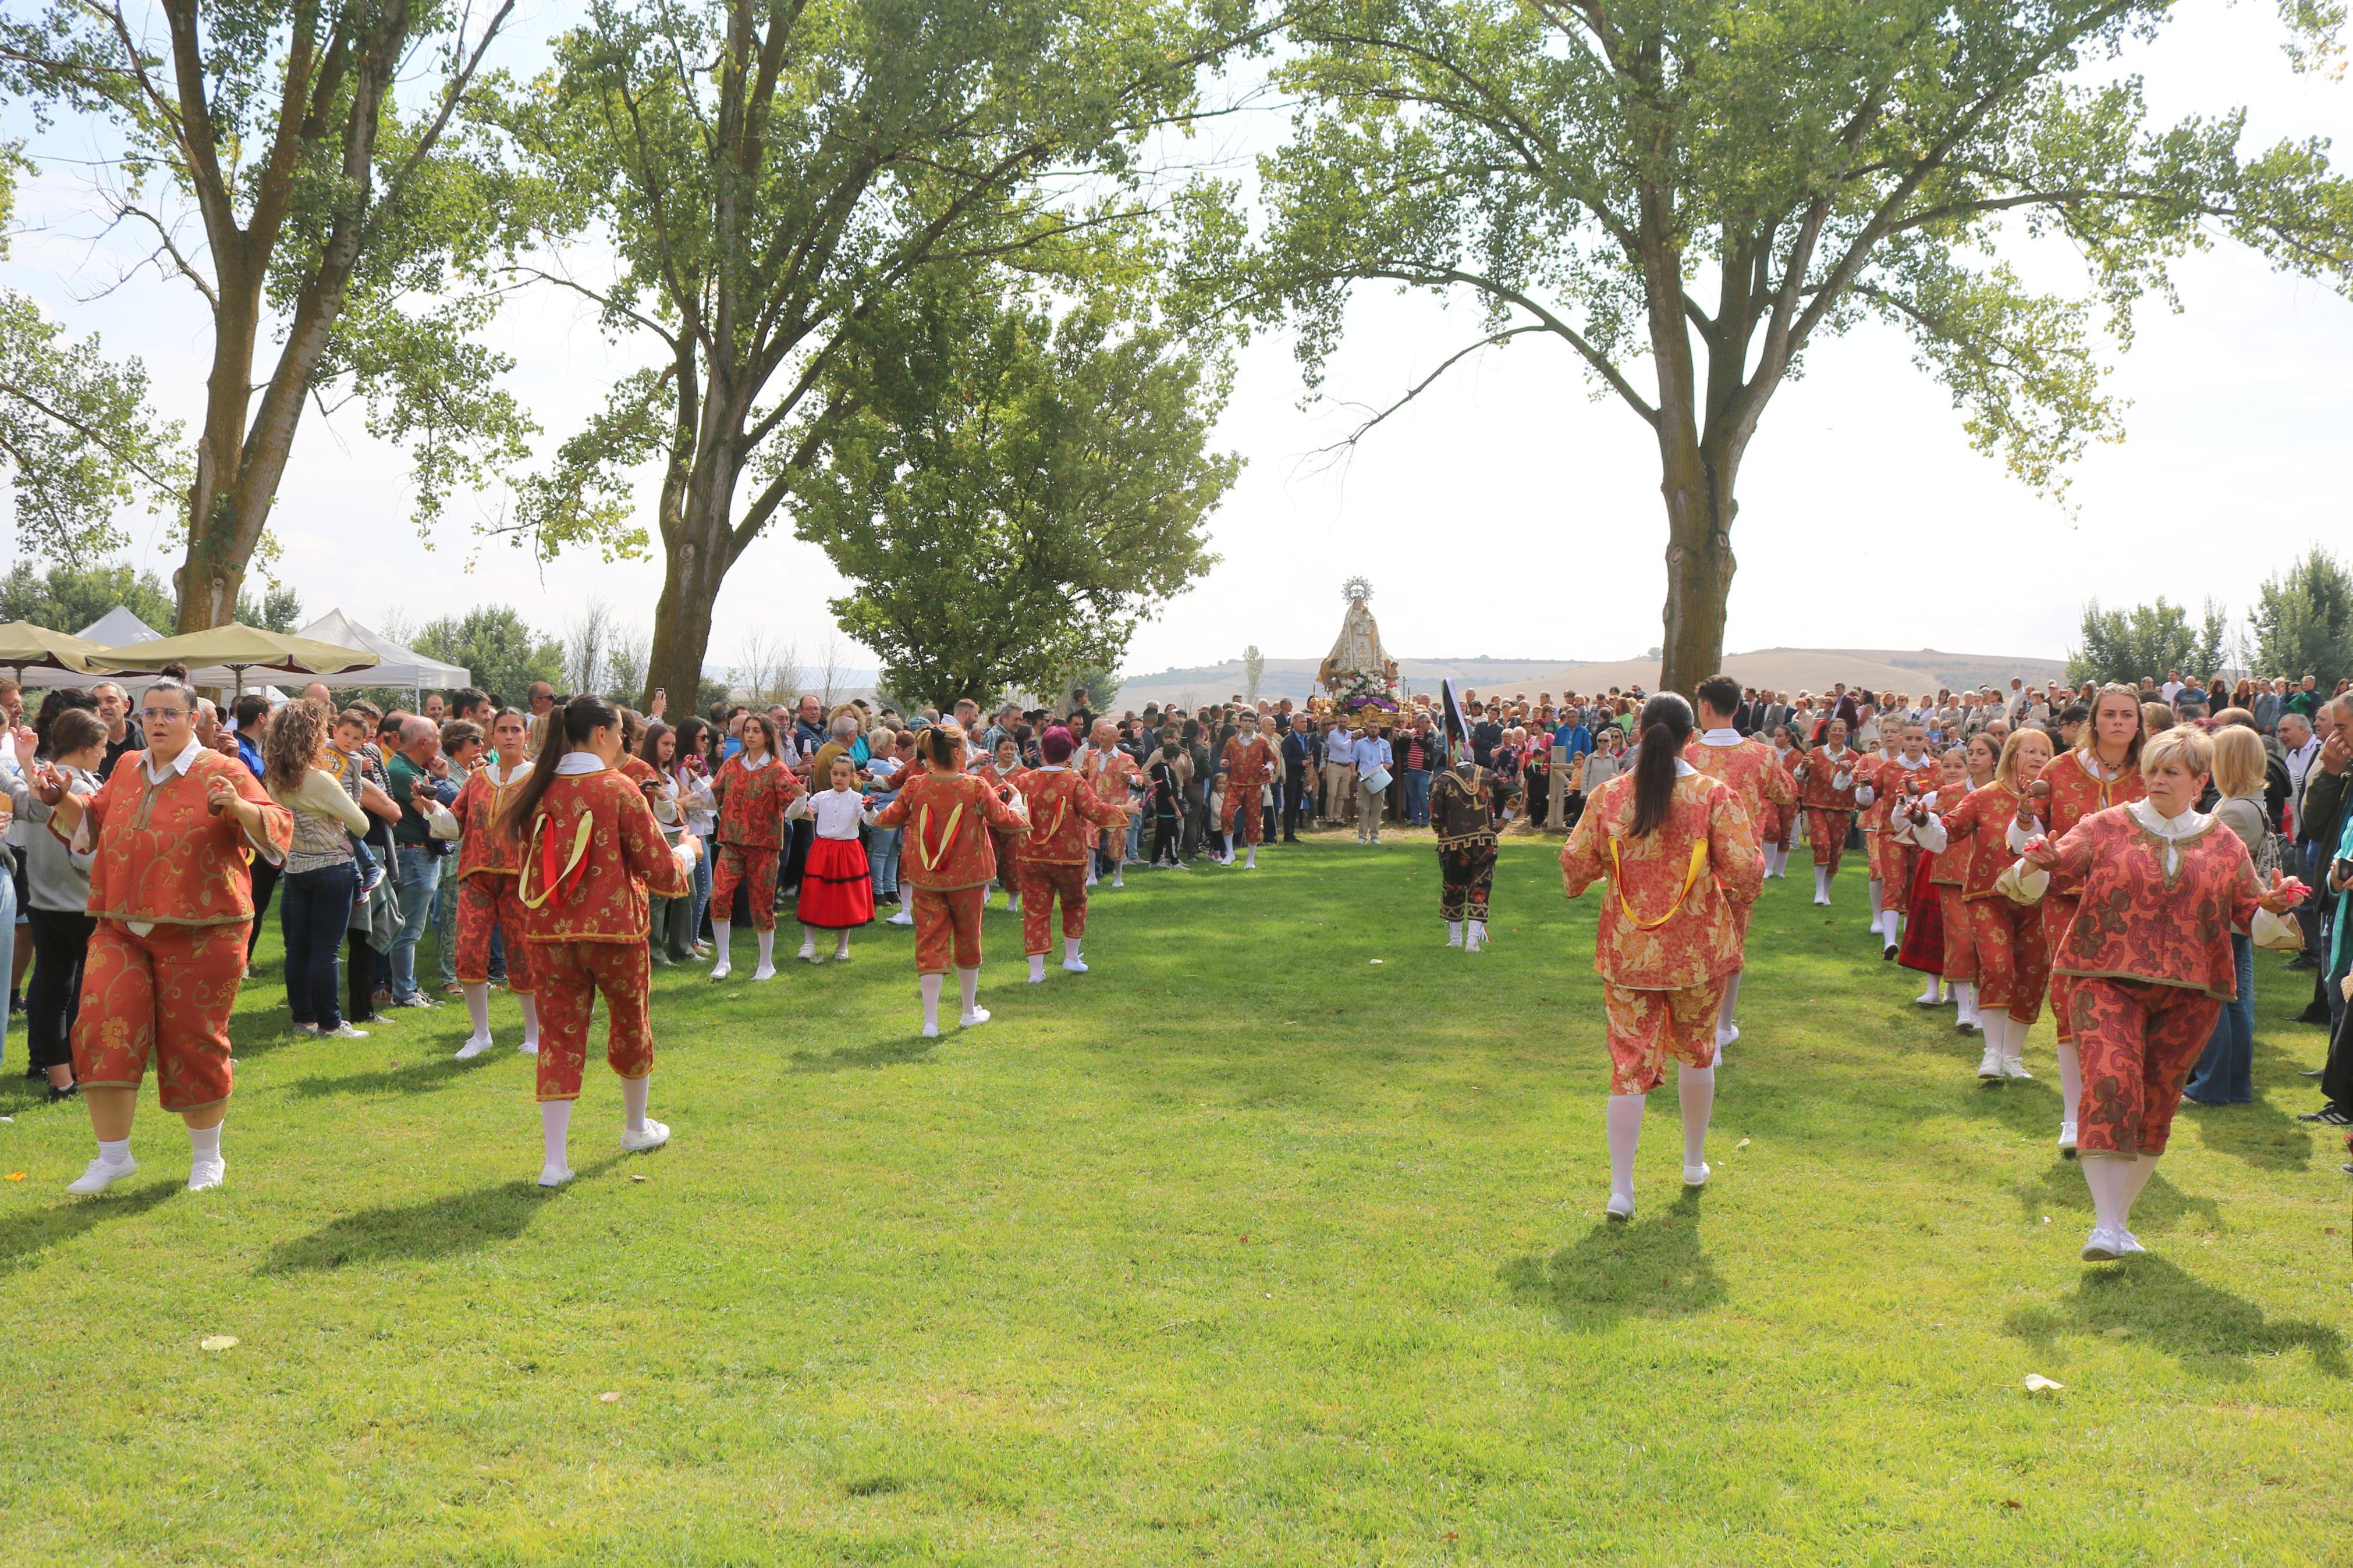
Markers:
<point>1783,669</point>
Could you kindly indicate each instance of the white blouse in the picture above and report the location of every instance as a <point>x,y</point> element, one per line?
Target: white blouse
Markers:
<point>835,812</point>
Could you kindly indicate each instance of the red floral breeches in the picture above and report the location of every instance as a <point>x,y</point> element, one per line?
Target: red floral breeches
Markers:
<point>165,994</point>
<point>949,922</point>
<point>485,902</point>
<point>735,863</point>
<point>1243,800</point>
<point>1043,882</point>
<point>2139,1041</point>
<point>1891,862</point>
<point>2013,967</point>
<point>570,974</point>
<point>1648,1028</point>
<point>1826,831</point>
<point>1960,936</point>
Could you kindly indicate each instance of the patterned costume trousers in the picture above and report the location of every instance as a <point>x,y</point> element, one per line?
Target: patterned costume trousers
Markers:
<point>1960,936</point>
<point>737,862</point>
<point>1891,862</point>
<point>1244,800</point>
<point>1466,875</point>
<point>1043,882</point>
<point>949,922</point>
<point>485,902</point>
<point>1826,830</point>
<point>570,975</point>
<point>2139,1041</point>
<point>2058,914</point>
<point>165,994</point>
<point>2013,967</point>
<point>1649,1029</point>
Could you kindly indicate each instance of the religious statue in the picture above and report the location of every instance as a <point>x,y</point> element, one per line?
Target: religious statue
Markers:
<point>1359,672</point>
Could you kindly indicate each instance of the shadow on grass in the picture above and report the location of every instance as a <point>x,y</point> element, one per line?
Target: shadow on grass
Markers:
<point>2154,1300</point>
<point>1648,1268</point>
<point>436,1071</point>
<point>881,1053</point>
<point>2160,1209</point>
<point>25,1237</point>
<point>2260,1133</point>
<point>409,1233</point>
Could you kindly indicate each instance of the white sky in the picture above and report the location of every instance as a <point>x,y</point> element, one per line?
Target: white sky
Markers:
<point>1506,513</point>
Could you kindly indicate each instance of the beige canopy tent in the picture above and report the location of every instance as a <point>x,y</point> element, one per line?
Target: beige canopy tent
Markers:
<point>24,645</point>
<point>220,656</point>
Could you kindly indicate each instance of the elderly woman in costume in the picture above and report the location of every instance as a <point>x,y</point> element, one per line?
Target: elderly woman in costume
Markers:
<point>170,832</point>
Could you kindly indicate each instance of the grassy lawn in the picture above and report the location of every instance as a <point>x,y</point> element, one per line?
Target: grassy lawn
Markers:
<point>1243,1248</point>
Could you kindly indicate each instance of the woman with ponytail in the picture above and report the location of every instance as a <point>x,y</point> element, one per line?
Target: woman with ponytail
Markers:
<point>1680,855</point>
<point>589,852</point>
<point>948,861</point>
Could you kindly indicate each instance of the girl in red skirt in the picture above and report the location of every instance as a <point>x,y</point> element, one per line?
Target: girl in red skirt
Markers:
<point>947,859</point>
<point>837,885</point>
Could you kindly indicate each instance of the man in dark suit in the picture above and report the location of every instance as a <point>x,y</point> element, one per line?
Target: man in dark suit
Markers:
<point>1298,751</point>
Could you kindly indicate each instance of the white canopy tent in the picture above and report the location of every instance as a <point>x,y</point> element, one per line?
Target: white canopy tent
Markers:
<point>400,666</point>
<point>120,628</point>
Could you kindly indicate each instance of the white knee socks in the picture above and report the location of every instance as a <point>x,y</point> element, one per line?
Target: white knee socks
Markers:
<point>477,1007</point>
<point>555,1128</point>
<point>2137,1176</point>
<point>1455,934</point>
<point>968,989</point>
<point>203,1142</point>
<point>1723,1013</point>
<point>841,947</point>
<point>1822,884</point>
<point>2109,1176</point>
<point>930,986</point>
<point>1251,862</point>
<point>1696,1088</point>
<point>1036,968</point>
<point>2070,1080</point>
<point>1228,840</point>
<point>633,1101</point>
<point>768,954</point>
<point>1625,1124</point>
<point>720,932</point>
<point>530,1024</point>
<point>1878,910</point>
<point>1069,950</point>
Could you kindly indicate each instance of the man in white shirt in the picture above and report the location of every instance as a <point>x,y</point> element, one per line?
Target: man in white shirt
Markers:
<point>1339,773</point>
<point>2172,687</point>
<point>1371,752</point>
<point>2298,746</point>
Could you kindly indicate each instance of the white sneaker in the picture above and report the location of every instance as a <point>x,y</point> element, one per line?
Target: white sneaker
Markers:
<point>905,917</point>
<point>1697,1175</point>
<point>2132,1242</point>
<point>1874,925</point>
<point>344,1031</point>
<point>1619,1208</point>
<point>2066,1139</point>
<point>765,971</point>
<point>306,1028</point>
<point>475,1047</point>
<point>656,1134</point>
<point>555,1175</point>
<point>2013,1068</point>
<point>206,1173</point>
<point>975,1019</point>
<point>2103,1246</point>
<point>1453,934</point>
<point>1472,944</point>
<point>1928,998</point>
<point>722,969</point>
<point>1038,978</point>
<point>1075,966</point>
<point>101,1175</point>
<point>931,1031</point>
<point>1989,1064</point>
<point>528,1048</point>
<point>809,951</point>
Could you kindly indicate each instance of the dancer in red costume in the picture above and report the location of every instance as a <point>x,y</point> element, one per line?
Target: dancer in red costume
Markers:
<point>1831,793</point>
<point>1050,860</point>
<point>2149,974</point>
<point>2013,963</point>
<point>1764,788</point>
<point>589,852</point>
<point>754,789</point>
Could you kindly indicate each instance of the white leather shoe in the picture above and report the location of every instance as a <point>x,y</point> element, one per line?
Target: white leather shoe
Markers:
<point>1075,966</point>
<point>474,1047</point>
<point>1697,1175</point>
<point>555,1175</point>
<point>206,1173</point>
<point>975,1019</point>
<point>101,1176</point>
<point>2103,1246</point>
<point>1989,1064</point>
<point>2013,1068</point>
<point>656,1134</point>
<point>1620,1207</point>
<point>765,971</point>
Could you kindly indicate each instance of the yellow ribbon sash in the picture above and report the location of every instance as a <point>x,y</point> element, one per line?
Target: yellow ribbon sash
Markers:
<point>1690,880</point>
<point>929,857</point>
<point>551,879</point>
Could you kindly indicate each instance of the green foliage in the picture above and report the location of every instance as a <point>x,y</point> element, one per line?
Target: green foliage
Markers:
<point>2146,641</point>
<point>1253,670</point>
<point>1064,466</point>
<point>2304,620</point>
<point>66,598</point>
<point>492,643</point>
<point>279,609</point>
<point>1101,688</point>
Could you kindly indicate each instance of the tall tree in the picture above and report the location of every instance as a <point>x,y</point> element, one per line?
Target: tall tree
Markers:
<point>764,175</point>
<point>1720,186</point>
<point>2146,641</point>
<point>2304,620</point>
<point>1065,466</point>
<point>1253,670</point>
<point>325,213</point>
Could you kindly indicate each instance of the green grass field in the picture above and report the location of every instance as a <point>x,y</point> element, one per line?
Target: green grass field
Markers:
<point>1243,1248</point>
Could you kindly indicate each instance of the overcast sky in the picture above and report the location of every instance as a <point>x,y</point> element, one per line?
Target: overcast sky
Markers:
<point>1506,513</point>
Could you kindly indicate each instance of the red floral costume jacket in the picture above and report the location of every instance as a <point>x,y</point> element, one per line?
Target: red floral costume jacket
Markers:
<point>1752,773</point>
<point>947,846</point>
<point>752,802</point>
<point>1669,921</point>
<point>1063,814</point>
<point>592,854</point>
<point>162,856</point>
<point>482,850</point>
<point>2141,920</point>
<point>1817,779</point>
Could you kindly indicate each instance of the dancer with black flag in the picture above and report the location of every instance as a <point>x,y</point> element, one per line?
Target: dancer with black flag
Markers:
<point>1460,811</point>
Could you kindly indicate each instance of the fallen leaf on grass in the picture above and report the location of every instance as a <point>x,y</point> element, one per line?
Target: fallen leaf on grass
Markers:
<point>1742,1145</point>
<point>2037,1383</point>
<point>16,1176</point>
<point>610,1396</point>
<point>636,1178</point>
<point>2012,1502</point>
<point>218,1342</point>
<point>1376,960</point>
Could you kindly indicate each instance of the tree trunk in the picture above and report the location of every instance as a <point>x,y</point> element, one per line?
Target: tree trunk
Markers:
<point>698,550</point>
<point>212,570</point>
<point>1700,564</point>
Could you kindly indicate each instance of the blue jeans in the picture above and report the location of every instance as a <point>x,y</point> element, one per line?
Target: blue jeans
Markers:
<point>2227,1071</point>
<point>1417,798</point>
<point>702,888</point>
<point>314,908</point>
<point>420,880</point>
<point>882,854</point>
<point>8,941</point>
<point>1135,835</point>
<point>445,929</point>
